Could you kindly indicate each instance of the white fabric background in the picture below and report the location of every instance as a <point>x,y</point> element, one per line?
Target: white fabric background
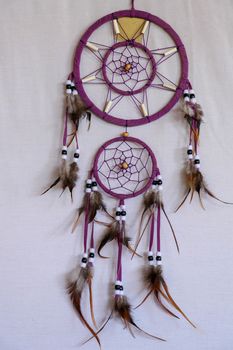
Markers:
<point>37,41</point>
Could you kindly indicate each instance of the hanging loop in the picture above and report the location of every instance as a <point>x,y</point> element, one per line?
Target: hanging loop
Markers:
<point>132,5</point>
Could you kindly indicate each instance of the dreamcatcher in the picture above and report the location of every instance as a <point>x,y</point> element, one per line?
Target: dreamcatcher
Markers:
<point>141,64</point>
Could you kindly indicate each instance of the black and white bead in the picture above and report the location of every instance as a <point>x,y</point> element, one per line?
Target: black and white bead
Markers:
<point>123,213</point>
<point>155,184</point>
<point>73,89</point>
<point>88,186</point>
<point>64,152</point>
<point>84,260</point>
<point>158,258</point>
<point>186,95</point>
<point>190,152</point>
<point>76,155</point>
<point>118,214</point>
<point>69,87</point>
<point>150,257</point>
<point>91,257</point>
<point>94,185</point>
<point>193,97</point>
<point>160,183</point>
<point>197,162</point>
<point>119,289</point>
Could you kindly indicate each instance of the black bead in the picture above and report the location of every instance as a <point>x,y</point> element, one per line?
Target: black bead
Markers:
<point>123,213</point>
<point>68,86</point>
<point>158,258</point>
<point>84,260</point>
<point>121,288</point>
<point>94,184</point>
<point>91,255</point>
<point>197,161</point>
<point>117,287</point>
<point>190,151</point>
<point>192,96</point>
<point>88,185</point>
<point>150,258</point>
<point>64,152</point>
<point>186,95</point>
<point>76,155</point>
<point>160,182</point>
<point>155,183</point>
<point>118,213</point>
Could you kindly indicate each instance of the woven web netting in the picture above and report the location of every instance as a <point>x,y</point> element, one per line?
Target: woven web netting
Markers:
<point>125,167</point>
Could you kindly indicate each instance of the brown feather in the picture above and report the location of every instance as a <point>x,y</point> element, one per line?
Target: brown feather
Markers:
<point>73,177</point>
<point>51,186</point>
<point>123,310</point>
<point>75,289</point>
<point>153,278</point>
<point>79,111</point>
<point>110,235</point>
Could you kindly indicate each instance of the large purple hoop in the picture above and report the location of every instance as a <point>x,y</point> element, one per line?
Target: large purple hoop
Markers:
<point>154,171</point>
<point>149,81</point>
<point>181,85</point>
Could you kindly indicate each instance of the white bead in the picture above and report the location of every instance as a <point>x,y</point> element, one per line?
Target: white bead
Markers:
<point>95,189</point>
<point>88,190</point>
<point>68,82</point>
<point>170,86</point>
<point>117,292</point>
<point>85,255</point>
<point>91,260</point>
<point>75,92</point>
<point>154,187</point>
<point>159,262</point>
<point>145,27</point>
<point>144,110</point>
<point>197,157</point>
<point>121,292</point>
<point>186,91</point>
<point>192,92</point>
<point>158,254</point>
<point>187,99</point>
<point>118,283</point>
<point>123,207</point>
<point>64,156</point>
<point>87,79</point>
<point>190,147</point>
<point>159,177</point>
<point>190,156</point>
<point>68,91</point>
<point>108,106</point>
<point>116,26</point>
<point>89,181</point>
<point>92,250</point>
<point>170,51</point>
<point>123,218</point>
<point>160,188</point>
<point>92,46</point>
<point>151,262</point>
<point>83,265</point>
<point>150,253</point>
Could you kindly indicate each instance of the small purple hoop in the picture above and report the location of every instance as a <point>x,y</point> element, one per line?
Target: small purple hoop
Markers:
<point>149,81</point>
<point>154,171</point>
<point>184,68</point>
